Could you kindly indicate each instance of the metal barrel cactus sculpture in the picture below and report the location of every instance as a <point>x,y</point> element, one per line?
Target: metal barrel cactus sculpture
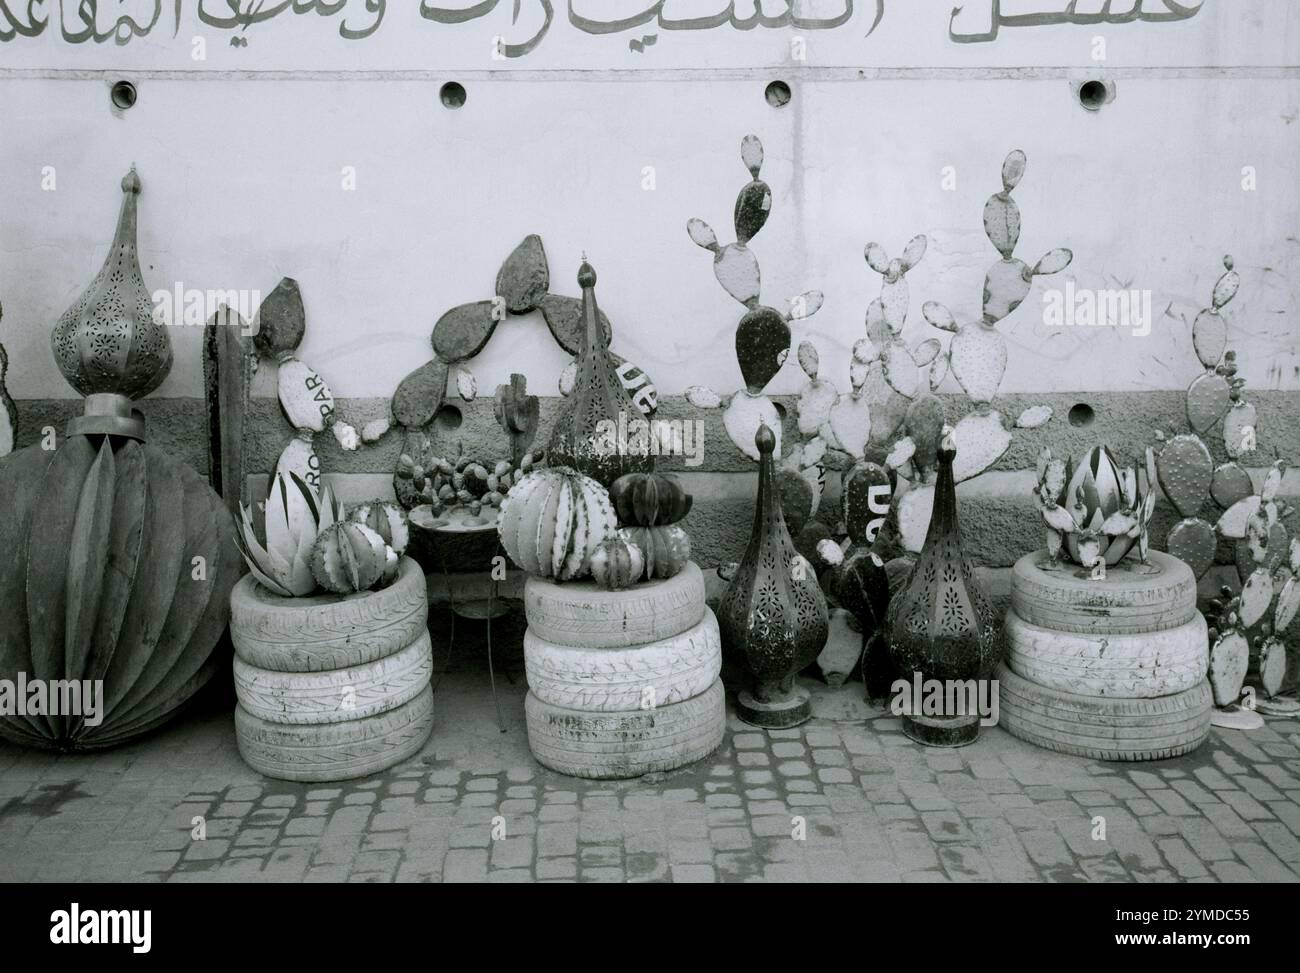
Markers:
<point>763,333</point>
<point>119,559</point>
<point>586,431</point>
<point>553,521</point>
<point>941,625</point>
<point>773,611</point>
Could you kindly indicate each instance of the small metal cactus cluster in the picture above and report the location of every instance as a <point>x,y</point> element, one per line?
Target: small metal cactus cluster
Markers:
<point>1249,623</point>
<point>763,335</point>
<point>425,477</point>
<point>304,396</point>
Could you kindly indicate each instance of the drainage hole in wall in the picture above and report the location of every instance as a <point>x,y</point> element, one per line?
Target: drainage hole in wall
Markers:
<point>448,418</point>
<point>452,94</point>
<point>1093,94</point>
<point>778,94</point>
<point>1081,415</point>
<point>123,94</point>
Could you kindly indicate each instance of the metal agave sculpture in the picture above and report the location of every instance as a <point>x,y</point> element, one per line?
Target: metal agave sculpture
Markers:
<point>118,559</point>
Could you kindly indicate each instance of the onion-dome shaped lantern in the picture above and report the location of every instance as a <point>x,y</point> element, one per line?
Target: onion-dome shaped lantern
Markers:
<point>943,631</point>
<point>774,611</point>
<point>599,431</point>
<point>118,559</point>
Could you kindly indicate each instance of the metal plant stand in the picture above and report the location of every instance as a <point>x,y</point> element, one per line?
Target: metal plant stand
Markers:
<point>479,609</point>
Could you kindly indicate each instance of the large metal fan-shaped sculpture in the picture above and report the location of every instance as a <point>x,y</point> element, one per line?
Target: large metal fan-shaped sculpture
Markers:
<point>118,559</point>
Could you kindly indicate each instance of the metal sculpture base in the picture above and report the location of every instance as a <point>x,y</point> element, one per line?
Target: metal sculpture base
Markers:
<point>484,610</point>
<point>942,731</point>
<point>778,714</point>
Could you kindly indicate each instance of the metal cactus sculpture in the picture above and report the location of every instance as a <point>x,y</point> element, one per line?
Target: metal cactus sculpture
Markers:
<point>119,559</point>
<point>977,356</point>
<point>773,611</point>
<point>1246,638</point>
<point>1095,512</point>
<point>304,396</point>
<point>977,353</point>
<point>522,287</point>
<point>763,333</point>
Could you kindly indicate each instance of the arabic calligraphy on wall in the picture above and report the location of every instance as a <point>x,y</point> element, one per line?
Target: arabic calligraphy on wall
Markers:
<point>526,23</point>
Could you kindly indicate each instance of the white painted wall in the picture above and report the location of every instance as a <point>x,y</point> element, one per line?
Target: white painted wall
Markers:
<point>242,170</point>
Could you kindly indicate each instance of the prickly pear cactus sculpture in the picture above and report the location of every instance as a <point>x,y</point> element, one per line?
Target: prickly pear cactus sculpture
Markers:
<point>763,334</point>
<point>305,398</point>
<point>1246,638</point>
<point>1095,512</point>
<point>977,358</point>
<point>522,287</point>
<point>1185,469</point>
<point>977,353</point>
<point>8,412</point>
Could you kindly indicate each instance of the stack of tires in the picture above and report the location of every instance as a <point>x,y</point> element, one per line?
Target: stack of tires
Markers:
<point>622,683</point>
<point>332,688</point>
<point>1112,669</point>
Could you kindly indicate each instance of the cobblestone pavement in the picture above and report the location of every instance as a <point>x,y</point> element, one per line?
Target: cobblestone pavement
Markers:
<point>842,798</point>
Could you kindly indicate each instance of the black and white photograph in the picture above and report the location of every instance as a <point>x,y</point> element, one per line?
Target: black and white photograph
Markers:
<point>693,442</point>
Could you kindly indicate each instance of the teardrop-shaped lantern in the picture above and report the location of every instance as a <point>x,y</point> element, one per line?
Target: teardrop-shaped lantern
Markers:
<point>600,431</point>
<point>943,632</point>
<point>773,612</point>
<point>109,341</point>
<point>118,559</point>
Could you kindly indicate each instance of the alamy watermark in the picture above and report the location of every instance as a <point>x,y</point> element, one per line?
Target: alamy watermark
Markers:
<point>191,307</point>
<point>1083,307</point>
<point>638,436</point>
<point>945,698</point>
<point>77,926</point>
<point>53,697</point>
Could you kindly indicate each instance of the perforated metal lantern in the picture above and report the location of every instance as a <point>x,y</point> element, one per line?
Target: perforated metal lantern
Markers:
<point>118,559</point>
<point>586,435</point>
<point>108,341</point>
<point>773,612</point>
<point>941,627</point>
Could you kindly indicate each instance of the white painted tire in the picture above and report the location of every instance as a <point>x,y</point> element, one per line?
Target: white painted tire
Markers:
<point>327,632</point>
<point>614,746</point>
<point>586,616</point>
<point>669,671</point>
<point>335,751</point>
<point>1133,600</point>
<point>338,694</point>
<point>1104,729</point>
<point>1114,666</point>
